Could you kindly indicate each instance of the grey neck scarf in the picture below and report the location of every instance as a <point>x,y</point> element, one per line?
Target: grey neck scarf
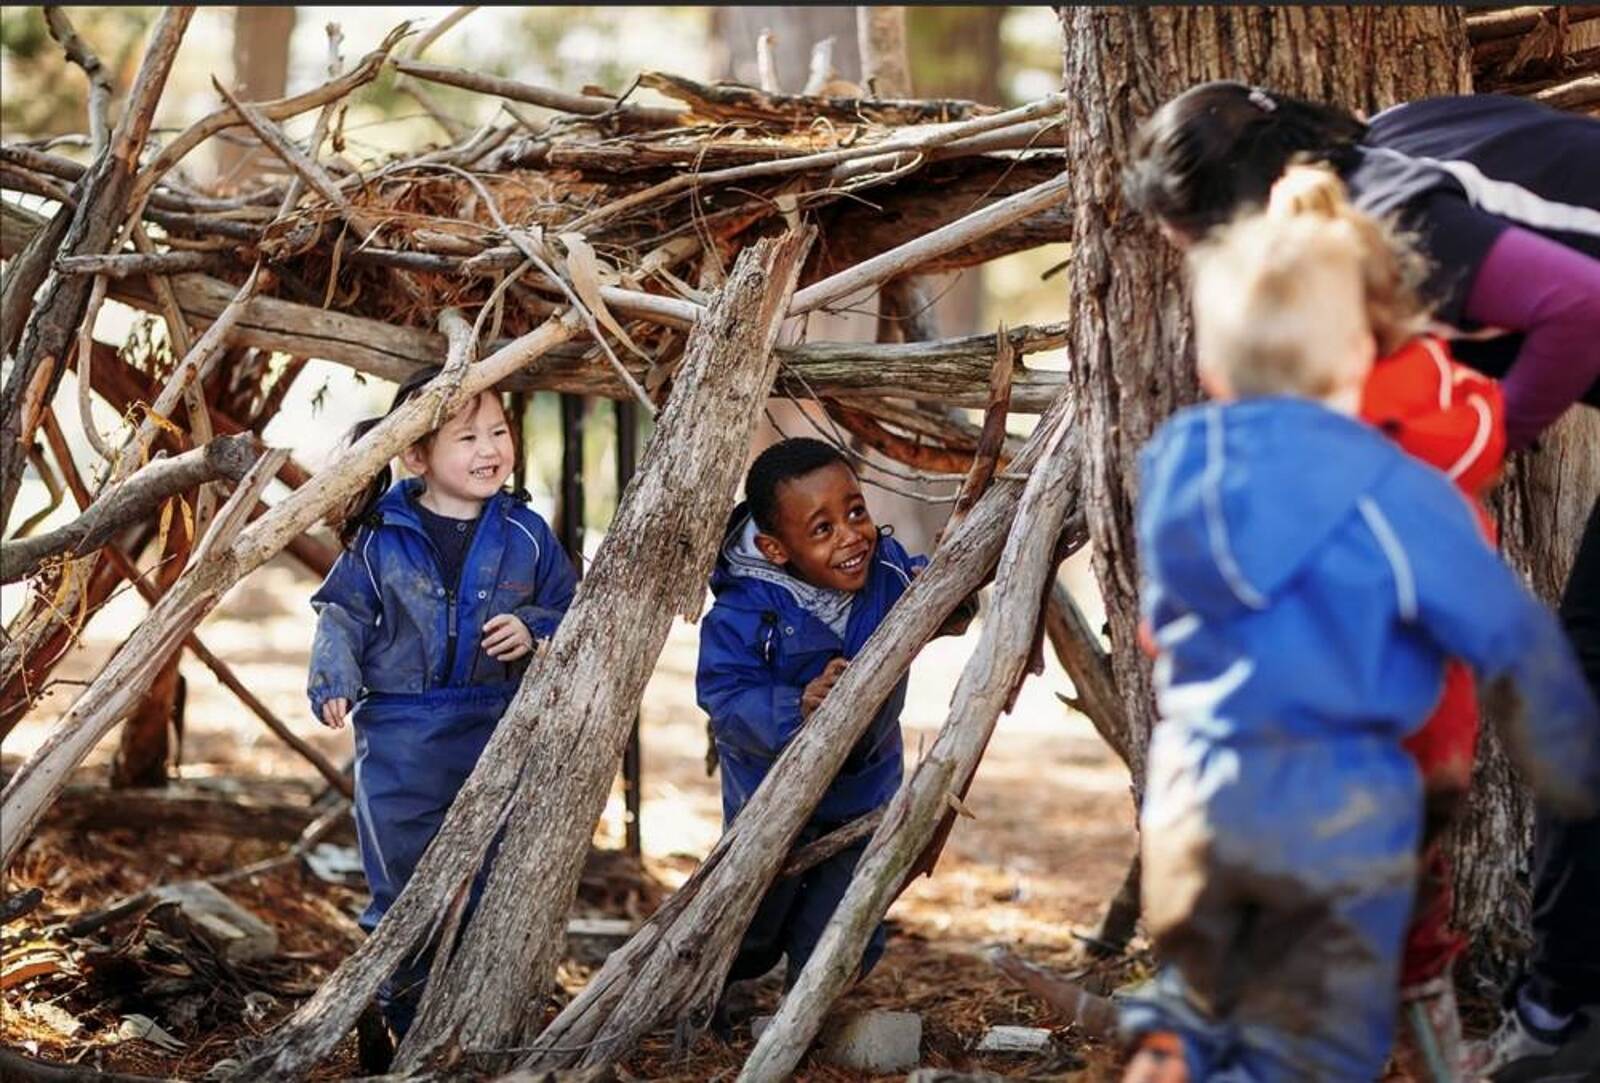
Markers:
<point>831,607</point>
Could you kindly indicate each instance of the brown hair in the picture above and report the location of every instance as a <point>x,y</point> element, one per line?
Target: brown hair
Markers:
<point>1392,272</point>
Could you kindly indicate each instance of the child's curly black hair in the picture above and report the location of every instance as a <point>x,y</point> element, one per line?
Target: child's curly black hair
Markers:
<point>784,461</point>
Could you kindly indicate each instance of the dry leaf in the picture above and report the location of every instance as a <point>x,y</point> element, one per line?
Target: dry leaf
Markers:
<point>584,269</point>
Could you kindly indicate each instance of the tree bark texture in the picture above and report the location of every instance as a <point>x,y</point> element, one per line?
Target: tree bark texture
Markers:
<point>655,562</point>
<point>545,770</point>
<point>988,683</point>
<point>260,73</point>
<point>1132,335</point>
<point>674,967</point>
<point>1541,504</point>
<point>139,496</point>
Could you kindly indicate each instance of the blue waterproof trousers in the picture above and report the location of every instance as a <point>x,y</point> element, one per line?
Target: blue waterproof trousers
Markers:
<point>413,753</point>
<point>1278,880</point>
<point>796,909</point>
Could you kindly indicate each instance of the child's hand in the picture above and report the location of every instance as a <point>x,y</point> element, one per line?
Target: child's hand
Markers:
<point>334,712</point>
<point>812,695</point>
<point>506,638</point>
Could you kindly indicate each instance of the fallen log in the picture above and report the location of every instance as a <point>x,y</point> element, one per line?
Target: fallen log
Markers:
<point>230,551</point>
<point>674,967</point>
<point>184,811</point>
<point>550,762</point>
<point>138,496</point>
<point>911,819</point>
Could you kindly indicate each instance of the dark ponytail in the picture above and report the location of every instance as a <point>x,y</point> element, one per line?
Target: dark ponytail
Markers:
<point>349,520</point>
<point>1218,148</point>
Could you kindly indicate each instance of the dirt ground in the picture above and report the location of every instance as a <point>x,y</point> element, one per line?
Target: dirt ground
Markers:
<point>1051,839</point>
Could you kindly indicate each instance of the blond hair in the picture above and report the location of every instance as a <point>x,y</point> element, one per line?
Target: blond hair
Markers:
<point>1392,271</point>
<point>1279,306</point>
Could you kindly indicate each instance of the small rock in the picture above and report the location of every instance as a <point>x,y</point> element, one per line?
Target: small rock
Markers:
<point>237,934</point>
<point>950,1075</point>
<point>1030,1041</point>
<point>874,1042</point>
<point>141,1028</point>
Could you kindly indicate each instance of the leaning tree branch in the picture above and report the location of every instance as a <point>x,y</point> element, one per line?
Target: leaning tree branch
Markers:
<point>674,967</point>
<point>100,89</point>
<point>911,818</point>
<point>93,228</point>
<point>126,568</point>
<point>135,498</point>
<point>229,551</point>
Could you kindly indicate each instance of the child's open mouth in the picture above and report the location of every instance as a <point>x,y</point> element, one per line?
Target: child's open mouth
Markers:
<point>485,473</point>
<point>854,564</point>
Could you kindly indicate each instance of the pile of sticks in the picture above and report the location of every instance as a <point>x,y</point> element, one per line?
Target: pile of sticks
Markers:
<point>617,218</point>
<point>1548,53</point>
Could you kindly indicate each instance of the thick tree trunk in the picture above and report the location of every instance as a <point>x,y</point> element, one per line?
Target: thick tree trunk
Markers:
<point>1542,504</point>
<point>1132,340</point>
<point>1131,328</point>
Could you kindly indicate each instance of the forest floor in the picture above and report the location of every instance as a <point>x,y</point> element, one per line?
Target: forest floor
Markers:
<point>1050,842</point>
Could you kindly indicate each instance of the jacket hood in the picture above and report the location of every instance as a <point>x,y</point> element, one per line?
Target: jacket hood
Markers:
<point>1235,498</point>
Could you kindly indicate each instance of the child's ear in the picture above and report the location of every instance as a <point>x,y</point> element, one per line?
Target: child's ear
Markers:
<point>772,548</point>
<point>415,459</point>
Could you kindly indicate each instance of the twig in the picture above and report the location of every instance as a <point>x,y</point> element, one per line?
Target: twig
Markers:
<point>962,231</point>
<point>278,110</point>
<point>915,139</point>
<point>100,89</point>
<point>815,853</point>
<point>129,501</point>
<point>319,130</point>
<point>125,264</point>
<point>527,93</point>
<point>191,369</point>
<point>91,431</point>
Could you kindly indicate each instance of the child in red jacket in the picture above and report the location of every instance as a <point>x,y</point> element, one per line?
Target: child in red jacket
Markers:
<point>1451,417</point>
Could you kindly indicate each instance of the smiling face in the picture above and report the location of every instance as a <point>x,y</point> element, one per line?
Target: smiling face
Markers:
<point>822,531</point>
<point>466,461</point>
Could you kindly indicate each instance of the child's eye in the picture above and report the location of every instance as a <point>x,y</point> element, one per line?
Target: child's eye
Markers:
<point>820,529</point>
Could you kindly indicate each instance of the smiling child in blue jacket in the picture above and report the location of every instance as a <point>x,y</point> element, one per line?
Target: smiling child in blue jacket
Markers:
<point>425,626</point>
<point>1305,581</point>
<point>803,580</point>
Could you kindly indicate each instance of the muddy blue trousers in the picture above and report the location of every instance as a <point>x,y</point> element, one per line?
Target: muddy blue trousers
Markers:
<point>413,753</point>
<point>1278,880</point>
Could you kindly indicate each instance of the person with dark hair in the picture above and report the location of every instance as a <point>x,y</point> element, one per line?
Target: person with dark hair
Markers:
<point>425,626</point>
<point>1304,581</point>
<point>1502,197</point>
<point>803,579</point>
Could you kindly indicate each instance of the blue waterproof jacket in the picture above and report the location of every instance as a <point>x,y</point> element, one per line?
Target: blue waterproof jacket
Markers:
<point>1305,578</point>
<point>384,612</point>
<point>758,650</point>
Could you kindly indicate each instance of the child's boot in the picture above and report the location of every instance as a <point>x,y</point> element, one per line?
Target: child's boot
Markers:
<point>374,1042</point>
<point>1429,1049</point>
<point>1158,1058</point>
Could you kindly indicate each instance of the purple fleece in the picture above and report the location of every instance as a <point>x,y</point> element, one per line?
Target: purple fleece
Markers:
<point>1532,284</point>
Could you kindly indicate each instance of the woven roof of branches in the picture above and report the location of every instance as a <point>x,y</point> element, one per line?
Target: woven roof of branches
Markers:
<point>662,198</point>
